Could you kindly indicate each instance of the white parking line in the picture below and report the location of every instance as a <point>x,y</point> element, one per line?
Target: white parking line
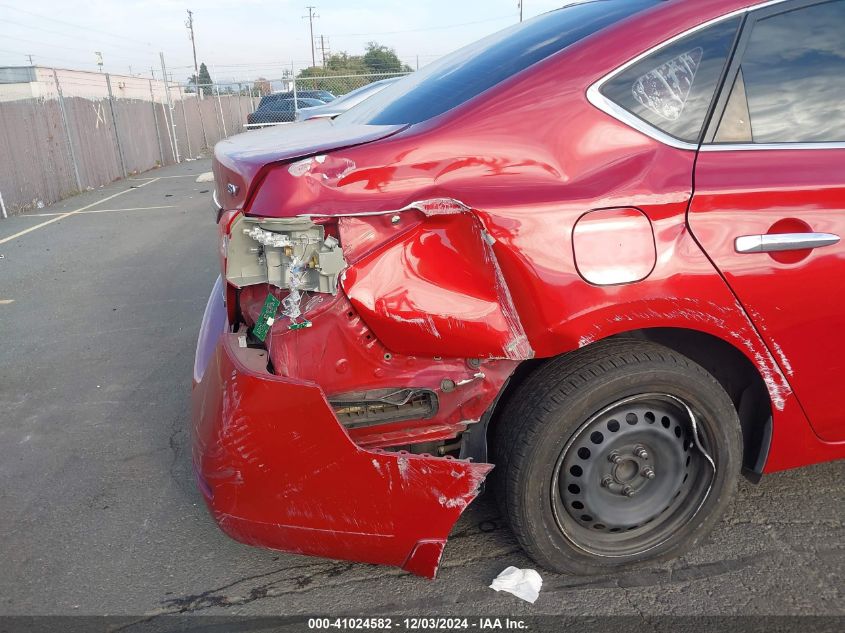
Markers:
<point>161,177</point>
<point>48,215</point>
<point>70,213</point>
<point>5,302</point>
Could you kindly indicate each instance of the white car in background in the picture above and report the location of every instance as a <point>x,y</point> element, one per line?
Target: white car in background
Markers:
<point>345,102</point>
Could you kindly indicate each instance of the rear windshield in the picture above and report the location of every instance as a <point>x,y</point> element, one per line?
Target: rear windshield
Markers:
<point>468,72</point>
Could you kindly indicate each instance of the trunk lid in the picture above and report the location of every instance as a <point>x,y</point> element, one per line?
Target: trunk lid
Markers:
<point>239,159</point>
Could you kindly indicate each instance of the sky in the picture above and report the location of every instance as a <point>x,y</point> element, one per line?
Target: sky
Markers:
<point>240,39</point>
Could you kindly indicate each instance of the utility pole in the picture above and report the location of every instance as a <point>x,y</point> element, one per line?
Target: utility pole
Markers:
<point>520,10</point>
<point>30,59</point>
<point>190,24</point>
<point>310,17</point>
<point>323,49</point>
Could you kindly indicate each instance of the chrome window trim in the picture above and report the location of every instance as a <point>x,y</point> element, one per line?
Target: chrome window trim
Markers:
<point>747,147</point>
<point>619,113</point>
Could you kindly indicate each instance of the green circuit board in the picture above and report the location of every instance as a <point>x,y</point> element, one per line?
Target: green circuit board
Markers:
<point>265,319</point>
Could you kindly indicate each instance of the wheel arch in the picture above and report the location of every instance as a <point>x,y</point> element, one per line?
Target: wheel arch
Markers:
<point>726,363</point>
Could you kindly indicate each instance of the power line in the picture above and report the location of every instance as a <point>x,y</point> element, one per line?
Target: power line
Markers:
<point>64,34</point>
<point>61,46</point>
<point>431,28</point>
<point>123,39</point>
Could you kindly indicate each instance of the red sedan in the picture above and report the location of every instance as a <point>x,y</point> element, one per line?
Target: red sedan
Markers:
<point>599,250</point>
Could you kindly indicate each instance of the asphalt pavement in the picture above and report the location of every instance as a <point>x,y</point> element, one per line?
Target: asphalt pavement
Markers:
<point>99,313</point>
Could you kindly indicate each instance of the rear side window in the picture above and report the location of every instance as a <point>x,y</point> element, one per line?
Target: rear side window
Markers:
<point>672,88</point>
<point>468,72</point>
<point>791,84</point>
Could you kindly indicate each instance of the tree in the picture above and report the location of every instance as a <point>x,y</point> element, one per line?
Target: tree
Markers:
<point>204,79</point>
<point>377,59</point>
<point>342,73</point>
<point>381,59</point>
<point>344,63</point>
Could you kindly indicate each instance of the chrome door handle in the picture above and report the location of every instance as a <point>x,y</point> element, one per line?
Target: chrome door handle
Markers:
<point>776,242</point>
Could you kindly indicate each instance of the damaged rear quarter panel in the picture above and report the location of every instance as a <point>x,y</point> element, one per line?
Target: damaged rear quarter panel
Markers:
<point>436,290</point>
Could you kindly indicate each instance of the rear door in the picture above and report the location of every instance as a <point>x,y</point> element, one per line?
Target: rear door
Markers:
<point>769,201</point>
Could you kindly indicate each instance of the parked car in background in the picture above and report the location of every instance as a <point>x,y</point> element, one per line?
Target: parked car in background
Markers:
<point>599,250</point>
<point>279,111</point>
<point>344,102</point>
<point>322,95</point>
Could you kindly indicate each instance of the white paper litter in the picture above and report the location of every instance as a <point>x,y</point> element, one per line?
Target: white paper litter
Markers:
<point>206,177</point>
<point>523,583</point>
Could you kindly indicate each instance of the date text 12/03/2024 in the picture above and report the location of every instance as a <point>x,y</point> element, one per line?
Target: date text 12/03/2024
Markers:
<point>418,624</point>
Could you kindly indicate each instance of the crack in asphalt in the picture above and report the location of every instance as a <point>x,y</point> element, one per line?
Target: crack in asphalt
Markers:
<point>212,598</point>
<point>642,616</point>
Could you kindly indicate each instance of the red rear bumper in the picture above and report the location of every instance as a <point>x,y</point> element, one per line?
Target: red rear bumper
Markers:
<point>278,470</point>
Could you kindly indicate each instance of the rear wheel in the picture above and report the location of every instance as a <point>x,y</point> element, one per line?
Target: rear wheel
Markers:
<point>615,455</point>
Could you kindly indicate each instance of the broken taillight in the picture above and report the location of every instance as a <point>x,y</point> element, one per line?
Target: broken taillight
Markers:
<point>295,254</point>
<point>282,252</point>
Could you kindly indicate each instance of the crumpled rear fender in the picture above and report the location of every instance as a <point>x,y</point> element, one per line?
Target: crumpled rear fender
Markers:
<point>434,288</point>
<point>278,470</point>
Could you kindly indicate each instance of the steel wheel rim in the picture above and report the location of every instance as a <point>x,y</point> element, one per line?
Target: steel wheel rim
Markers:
<point>646,473</point>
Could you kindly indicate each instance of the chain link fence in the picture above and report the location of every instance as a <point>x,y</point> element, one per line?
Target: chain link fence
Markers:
<point>72,134</point>
<point>280,102</point>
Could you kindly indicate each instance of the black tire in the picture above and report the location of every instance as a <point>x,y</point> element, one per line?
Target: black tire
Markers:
<point>640,398</point>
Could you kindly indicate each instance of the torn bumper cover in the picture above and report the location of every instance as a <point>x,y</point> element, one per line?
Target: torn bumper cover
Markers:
<point>277,469</point>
